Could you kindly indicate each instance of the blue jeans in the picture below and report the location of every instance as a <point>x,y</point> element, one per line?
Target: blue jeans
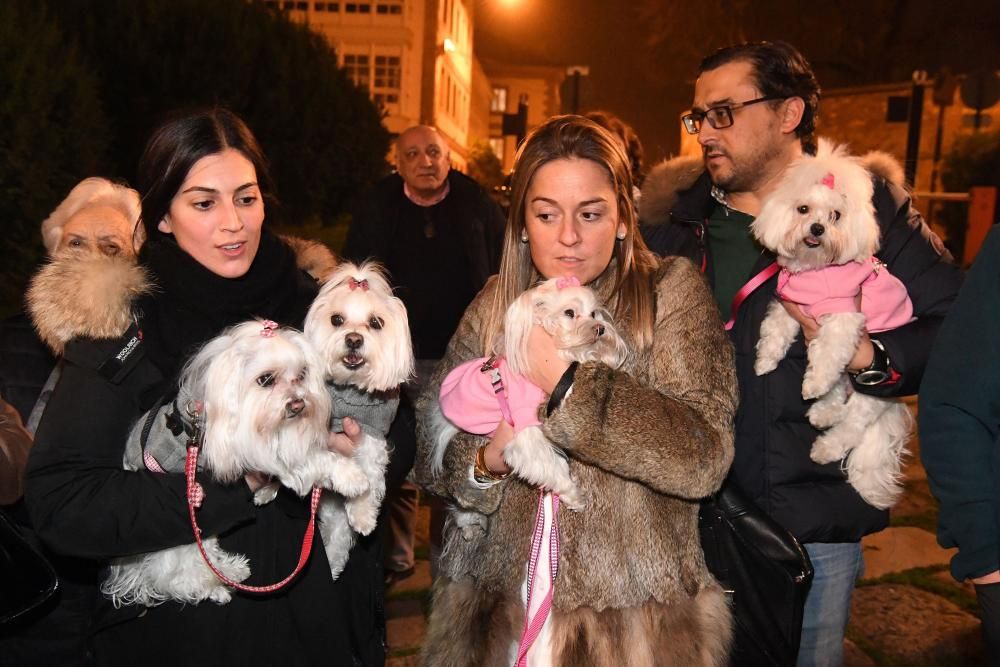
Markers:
<point>828,604</point>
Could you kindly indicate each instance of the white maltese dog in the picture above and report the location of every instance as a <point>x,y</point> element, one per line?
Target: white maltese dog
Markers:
<point>362,335</point>
<point>821,224</point>
<point>257,394</point>
<point>582,331</point>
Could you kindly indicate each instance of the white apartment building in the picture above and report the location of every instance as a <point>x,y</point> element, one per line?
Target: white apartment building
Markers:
<point>414,57</point>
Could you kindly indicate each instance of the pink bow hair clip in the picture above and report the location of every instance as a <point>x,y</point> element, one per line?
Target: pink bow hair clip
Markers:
<point>828,180</point>
<point>567,281</point>
<point>270,328</point>
<point>354,284</point>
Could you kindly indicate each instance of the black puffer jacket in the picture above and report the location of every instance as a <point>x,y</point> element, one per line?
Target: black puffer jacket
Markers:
<point>773,435</point>
<point>25,364</point>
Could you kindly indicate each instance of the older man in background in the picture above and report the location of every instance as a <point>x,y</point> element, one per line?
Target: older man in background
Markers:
<point>439,235</point>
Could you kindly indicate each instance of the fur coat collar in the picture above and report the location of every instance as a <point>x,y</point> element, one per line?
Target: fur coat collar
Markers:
<point>79,295</point>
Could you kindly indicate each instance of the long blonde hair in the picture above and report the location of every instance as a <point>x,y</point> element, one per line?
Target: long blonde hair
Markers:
<point>627,282</point>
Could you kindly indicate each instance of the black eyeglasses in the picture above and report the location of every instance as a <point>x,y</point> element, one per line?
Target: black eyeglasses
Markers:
<point>718,117</point>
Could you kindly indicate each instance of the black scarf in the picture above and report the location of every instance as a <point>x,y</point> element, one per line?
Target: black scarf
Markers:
<point>191,305</point>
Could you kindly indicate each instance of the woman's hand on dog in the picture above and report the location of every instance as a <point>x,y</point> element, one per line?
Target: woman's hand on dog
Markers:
<point>346,442</point>
<point>863,354</point>
<point>493,455</point>
<point>544,362</point>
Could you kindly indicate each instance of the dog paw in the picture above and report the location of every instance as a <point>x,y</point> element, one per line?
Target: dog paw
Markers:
<point>349,481</point>
<point>573,498</point>
<point>473,531</point>
<point>813,387</point>
<point>824,416</point>
<point>824,450</point>
<point>764,365</point>
<point>362,516</point>
<point>220,595</point>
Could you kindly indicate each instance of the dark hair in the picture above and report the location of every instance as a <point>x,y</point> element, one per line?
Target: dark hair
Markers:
<point>175,147</point>
<point>779,70</point>
<point>618,127</point>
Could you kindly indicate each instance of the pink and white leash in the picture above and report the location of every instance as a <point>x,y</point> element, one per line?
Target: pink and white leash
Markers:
<point>532,624</point>
<point>195,496</point>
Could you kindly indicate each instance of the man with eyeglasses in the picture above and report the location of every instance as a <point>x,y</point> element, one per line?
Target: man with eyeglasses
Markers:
<point>754,112</point>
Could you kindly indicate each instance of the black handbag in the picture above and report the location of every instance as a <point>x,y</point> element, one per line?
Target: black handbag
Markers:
<point>765,572</point>
<point>27,579</point>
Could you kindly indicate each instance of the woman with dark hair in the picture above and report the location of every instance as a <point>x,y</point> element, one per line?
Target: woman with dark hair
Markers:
<point>644,443</point>
<point>208,262</point>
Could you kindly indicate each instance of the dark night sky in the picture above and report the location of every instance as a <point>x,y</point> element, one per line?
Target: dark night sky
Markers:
<point>649,81</point>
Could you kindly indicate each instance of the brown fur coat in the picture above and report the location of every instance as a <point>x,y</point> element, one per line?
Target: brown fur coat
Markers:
<point>645,443</point>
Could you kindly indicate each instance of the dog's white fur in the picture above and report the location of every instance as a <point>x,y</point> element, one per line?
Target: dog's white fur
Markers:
<point>265,409</point>
<point>582,331</point>
<point>870,431</point>
<point>363,338</point>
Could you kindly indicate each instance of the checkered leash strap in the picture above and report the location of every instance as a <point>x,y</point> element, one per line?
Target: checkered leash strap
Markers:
<point>195,495</point>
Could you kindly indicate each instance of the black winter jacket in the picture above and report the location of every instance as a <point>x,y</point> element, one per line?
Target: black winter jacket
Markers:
<point>83,503</point>
<point>773,435</point>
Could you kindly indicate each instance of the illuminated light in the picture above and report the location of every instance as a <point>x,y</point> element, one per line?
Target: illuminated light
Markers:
<point>449,46</point>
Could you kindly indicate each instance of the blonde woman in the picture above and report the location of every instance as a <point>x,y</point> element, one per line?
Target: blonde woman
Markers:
<point>627,583</point>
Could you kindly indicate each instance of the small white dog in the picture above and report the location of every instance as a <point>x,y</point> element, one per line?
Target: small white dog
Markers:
<point>582,331</point>
<point>258,391</point>
<point>821,224</point>
<point>362,334</point>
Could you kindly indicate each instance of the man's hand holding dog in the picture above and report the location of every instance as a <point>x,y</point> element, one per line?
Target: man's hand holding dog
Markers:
<point>346,442</point>
<point>863,354</point>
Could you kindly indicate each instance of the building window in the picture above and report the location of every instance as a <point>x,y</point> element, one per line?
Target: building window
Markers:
<point>327,6</point>
<point>498,104</point>
<point>358,69</point>
<point>389,7</point>
<point>288,5</point>
<point>898,109</point>
<point>496,143</point>
<point>358,8</point>
<point>387,80</point>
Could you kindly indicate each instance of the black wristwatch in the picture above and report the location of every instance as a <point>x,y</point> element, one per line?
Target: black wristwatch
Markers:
<point>877,371</point>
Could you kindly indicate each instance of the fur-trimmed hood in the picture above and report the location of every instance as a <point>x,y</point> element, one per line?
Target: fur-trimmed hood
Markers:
<point>92,296</point>
<point>667,180</point>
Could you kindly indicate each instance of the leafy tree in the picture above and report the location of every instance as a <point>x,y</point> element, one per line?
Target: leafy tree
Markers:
<point>484,166</point>
<point>323,135</point>
<point>52,134</point>
<point>974,160</point>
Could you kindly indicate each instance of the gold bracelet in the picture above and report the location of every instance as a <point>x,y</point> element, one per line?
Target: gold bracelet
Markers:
<point>482,472</point>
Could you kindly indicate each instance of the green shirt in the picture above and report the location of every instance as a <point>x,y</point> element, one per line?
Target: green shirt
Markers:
<point>734,252</point>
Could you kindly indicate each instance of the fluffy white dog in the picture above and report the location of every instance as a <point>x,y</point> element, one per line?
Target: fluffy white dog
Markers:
<point>821,224</point>
<point>259,395</point>
<point>363,337</point>
<point>582,331</point>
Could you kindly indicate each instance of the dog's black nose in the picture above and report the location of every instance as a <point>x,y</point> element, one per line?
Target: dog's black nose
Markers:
<point>294,407</point>
<point>599,329</point>
<point>817,229</point>
<point>354,340</point>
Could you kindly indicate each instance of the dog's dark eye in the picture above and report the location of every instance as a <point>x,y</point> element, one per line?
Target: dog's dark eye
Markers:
<point>569,312</point>
<point>375,323</point>
<point>266,380</point>
<point>836,215</point>
<point>302,374</point>
<point>593,315</point>
<point>337,320</point>
<point>803,209</point>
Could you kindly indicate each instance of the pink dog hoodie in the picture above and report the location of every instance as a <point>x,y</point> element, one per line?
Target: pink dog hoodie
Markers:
<point>832,289</point>
<point>468,400</point>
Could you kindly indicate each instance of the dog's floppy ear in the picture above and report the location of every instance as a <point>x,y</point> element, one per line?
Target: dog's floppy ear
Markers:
<point>775,220</point>
<point>223,392</point>
<point>314,383</point>
<point>621,347</point>
<point>520,317</point>
<point>864,232</point>
<point>397,349</point>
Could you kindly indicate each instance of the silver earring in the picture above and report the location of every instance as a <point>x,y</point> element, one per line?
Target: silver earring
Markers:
<point>621,237</point>
<point>524,236</point>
